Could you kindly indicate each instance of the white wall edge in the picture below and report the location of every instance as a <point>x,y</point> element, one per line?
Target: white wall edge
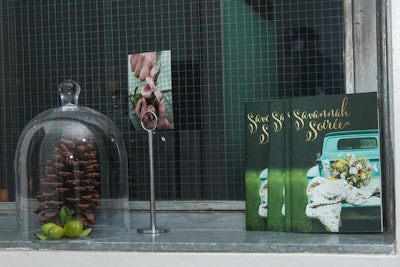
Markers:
<point>23,258</point>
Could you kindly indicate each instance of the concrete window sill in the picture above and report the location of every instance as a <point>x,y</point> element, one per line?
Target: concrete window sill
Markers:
<point>201,227</point>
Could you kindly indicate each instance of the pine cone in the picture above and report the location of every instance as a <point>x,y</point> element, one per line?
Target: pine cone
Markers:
<point>72,179</point>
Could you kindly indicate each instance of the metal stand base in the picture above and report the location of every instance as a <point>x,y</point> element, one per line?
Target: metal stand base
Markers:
<point>149,230</point>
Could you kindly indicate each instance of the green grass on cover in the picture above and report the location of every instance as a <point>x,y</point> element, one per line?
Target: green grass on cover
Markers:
<point>295,201</point>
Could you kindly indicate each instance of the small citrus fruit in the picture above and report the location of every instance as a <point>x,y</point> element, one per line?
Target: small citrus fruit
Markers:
<point>56,232</point>
<point>73,228</point>
<point>45,227</point>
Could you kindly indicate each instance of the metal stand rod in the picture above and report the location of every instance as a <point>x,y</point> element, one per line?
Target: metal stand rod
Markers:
<point>152,186</point>
<point>153,229</point>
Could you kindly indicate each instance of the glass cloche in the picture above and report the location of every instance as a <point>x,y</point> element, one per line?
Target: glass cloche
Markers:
<point>71,164</point>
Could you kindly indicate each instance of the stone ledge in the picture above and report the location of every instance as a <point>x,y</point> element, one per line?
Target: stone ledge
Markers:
<point>203,231</point>
<point>204,240</point>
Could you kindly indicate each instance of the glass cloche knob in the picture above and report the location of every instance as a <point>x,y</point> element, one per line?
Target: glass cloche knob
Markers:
<point>69,92</point>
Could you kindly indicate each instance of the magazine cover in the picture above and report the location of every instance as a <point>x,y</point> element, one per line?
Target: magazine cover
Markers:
<point>256,189</point>
<point>265,172</point>
<point>150,89</point>
<point>328,158</point>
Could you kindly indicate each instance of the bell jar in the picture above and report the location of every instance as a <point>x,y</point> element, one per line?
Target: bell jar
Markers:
<point>71,165</point>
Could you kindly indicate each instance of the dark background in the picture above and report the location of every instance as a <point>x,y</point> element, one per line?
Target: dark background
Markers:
<point>44,42</point>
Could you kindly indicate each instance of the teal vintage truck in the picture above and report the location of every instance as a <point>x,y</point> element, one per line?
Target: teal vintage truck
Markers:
<point>359,144</point>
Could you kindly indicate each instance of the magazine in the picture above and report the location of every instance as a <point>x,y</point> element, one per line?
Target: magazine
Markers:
<point>313,164</point>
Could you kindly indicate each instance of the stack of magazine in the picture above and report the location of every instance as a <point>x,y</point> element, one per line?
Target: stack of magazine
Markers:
<point>313,164</point>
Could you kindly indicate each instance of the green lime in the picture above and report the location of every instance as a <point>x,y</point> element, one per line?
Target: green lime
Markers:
<point>56,232</point>
<point>45,227</point>
<point>73,228</point>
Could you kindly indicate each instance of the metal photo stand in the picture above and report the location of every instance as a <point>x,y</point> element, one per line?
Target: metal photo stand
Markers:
<point>149,122</point>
